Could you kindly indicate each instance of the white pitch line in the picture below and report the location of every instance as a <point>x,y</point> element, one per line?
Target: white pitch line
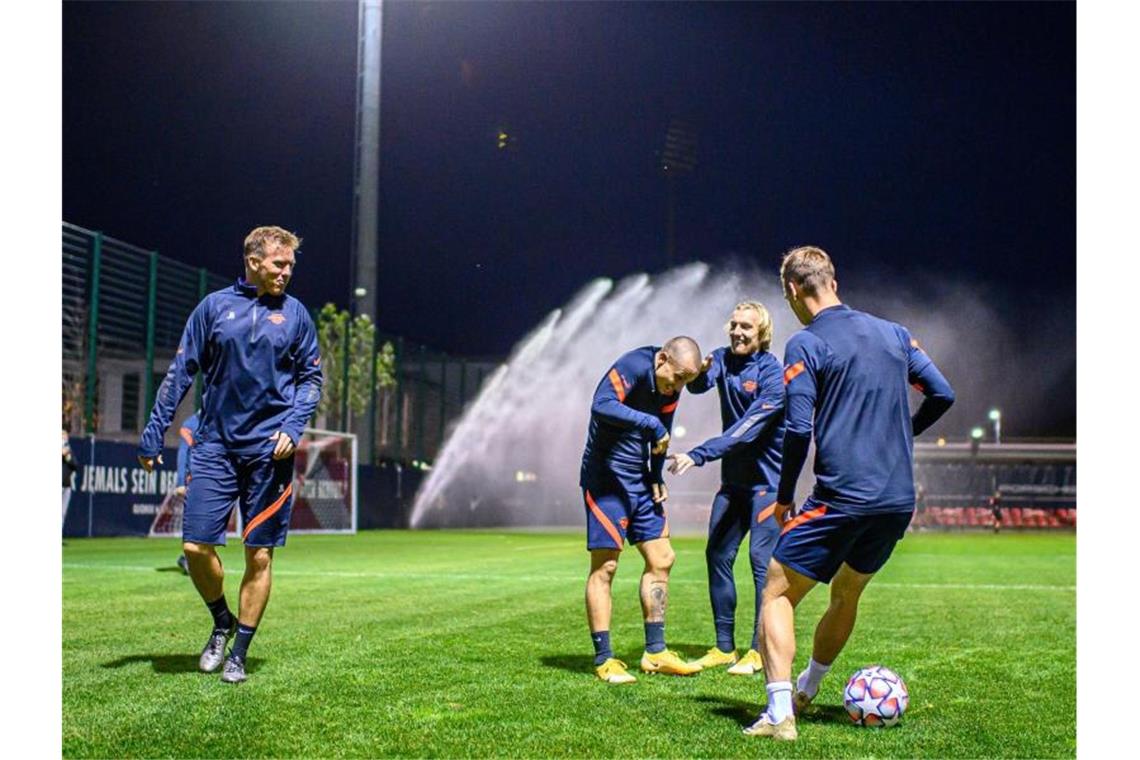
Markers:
<point>566,579</point>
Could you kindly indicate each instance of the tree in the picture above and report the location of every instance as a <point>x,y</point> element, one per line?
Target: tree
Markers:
<point>332,324</point>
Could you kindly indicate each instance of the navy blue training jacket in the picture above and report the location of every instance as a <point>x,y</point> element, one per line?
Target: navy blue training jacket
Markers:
<point>751,390</point>
<point>850,371</point>
<point>261,368</point>
<point>627,417</point>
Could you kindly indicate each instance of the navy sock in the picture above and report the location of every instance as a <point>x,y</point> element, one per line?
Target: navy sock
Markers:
<point>223,618</point>
<point>725,641</point>
<point>602,651</point>
<point>654,637</point>
<point>241,641</point>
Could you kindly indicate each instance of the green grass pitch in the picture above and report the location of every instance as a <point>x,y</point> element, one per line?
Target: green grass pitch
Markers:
<point>472,644</point>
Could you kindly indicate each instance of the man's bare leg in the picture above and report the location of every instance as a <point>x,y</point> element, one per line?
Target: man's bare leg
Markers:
<point>782,593</point>
<point>599,605</point>
<point>205,569</point>
<point>659,558</point>
<point>255,585</point>
<point>599,585</point>
<point>833,631</point>
<point>206,572</point>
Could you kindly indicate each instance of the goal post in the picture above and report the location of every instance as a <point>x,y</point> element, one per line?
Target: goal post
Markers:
<point>324,483</point>
<point>324,490</point>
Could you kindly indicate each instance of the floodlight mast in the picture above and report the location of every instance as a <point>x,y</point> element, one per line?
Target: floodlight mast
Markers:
<point>366,170</point>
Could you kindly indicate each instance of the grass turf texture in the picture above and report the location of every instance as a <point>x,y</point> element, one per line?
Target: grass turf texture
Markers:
<point>460,644</point>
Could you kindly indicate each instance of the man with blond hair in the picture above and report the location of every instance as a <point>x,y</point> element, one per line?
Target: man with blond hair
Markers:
<point>750,384</point>
<point>631,417</point>
<point>257,351</point>
<point>845,378</point>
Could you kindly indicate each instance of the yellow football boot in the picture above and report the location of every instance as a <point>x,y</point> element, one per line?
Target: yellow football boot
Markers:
<point>784,731</point>
<point>613,671</point>
<point>715,657</point>
<point>668,662</point>
<point>750,664</point>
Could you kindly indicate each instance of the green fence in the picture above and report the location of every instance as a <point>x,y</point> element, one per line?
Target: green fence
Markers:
<point>124,308</point>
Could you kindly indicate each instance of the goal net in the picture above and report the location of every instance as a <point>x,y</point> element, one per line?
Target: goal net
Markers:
<point>324,490</point>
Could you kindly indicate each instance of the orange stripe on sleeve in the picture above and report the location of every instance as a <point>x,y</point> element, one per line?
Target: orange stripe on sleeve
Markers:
<point>605,521</point>
<point>792,372</point>
<point>615,381</point>
<point>670,407</point>
<point>268,512</point>
<point>186,435</point>
<point>804,517</point>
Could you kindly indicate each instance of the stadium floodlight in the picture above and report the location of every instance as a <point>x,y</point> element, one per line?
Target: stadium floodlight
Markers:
<point>976,439</point>
<point>360,292</point>
<point>995,418</point>
<point>679,432</point>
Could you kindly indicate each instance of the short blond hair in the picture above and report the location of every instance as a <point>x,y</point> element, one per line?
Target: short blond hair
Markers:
<point>258,238</point>
<point>810,268</point>
<point>765,325</point>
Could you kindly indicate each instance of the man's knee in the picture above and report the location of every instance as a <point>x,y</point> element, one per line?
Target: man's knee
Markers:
<point>258,559</point>
<point>847,586</point>
<point>603,566</point>
<point>661,561</point>
<point>195,551</point>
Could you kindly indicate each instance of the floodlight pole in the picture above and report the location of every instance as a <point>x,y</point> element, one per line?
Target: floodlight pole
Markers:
<point>366,172</point>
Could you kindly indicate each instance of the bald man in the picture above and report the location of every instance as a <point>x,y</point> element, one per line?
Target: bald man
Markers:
<point>624,494</point>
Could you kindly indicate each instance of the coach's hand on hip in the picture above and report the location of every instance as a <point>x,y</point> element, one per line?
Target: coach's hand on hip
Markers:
<point>149,462</point>
<point>284,447</point>
<point>660,493</point>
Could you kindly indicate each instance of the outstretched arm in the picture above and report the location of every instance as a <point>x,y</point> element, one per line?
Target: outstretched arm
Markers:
<point>187,362</point>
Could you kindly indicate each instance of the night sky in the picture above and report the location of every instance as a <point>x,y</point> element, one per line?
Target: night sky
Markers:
<point>917,143</point>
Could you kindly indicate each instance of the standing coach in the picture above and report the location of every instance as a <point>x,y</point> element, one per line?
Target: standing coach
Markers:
<point>257,351</point>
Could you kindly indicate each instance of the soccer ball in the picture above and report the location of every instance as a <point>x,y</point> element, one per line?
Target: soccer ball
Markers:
<point>875,696</point>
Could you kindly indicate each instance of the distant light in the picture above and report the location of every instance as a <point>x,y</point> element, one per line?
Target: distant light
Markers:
<point>977,433</point>
<point>522,476</point>
<point>995,415</point>
<point>941,441</point>
<point>360,292</point>
<point>679,431</point>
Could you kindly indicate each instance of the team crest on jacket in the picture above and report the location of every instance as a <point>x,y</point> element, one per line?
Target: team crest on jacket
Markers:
<point>276,318</point>
<point>749,386</point>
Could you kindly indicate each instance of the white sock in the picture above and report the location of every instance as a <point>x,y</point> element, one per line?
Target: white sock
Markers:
<point>779,700</point>
<point>808,681</point>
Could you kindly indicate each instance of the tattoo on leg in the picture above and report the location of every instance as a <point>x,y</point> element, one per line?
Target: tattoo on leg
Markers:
<point>658,598</point>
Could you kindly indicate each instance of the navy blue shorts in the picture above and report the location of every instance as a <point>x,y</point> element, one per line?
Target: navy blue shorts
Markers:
<point>620,508</point>
<point>262,486</point>
<point>820,538</point>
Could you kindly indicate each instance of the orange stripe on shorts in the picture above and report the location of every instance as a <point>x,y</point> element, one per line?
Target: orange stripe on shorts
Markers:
<point>766,512</point>
<point>804,517</point>
<point>267,512</point>
<point>605,521</point>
